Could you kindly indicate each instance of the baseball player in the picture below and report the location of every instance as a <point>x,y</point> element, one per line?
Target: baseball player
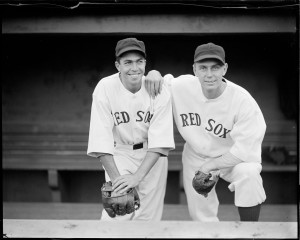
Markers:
<point>132,133</point>
<point>223,128</point>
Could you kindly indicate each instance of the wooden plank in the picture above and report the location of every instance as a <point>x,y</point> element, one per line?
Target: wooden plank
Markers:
<point>141,229</point>
<point>171,212</point>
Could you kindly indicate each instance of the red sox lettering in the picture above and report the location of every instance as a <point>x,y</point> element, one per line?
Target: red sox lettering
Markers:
<point>123,117</point>
<point>217,129</point>
<point>194,119</point>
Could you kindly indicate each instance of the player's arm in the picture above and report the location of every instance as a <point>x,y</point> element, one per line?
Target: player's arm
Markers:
<point>101,142</point>
<point>225,161</point>
<point>108,163</point>
<point>154,82</point>
<point>123,183</point>
<point>247,134</point>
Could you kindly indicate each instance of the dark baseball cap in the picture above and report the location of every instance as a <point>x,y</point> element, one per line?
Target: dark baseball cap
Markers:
<point>209,50</point>
<point>130,44</point>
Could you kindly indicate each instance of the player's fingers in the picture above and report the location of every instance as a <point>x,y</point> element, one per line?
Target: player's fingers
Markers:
<point>147,85</point>
<point>125,189</point>
<point>152,90</point>
<point>159,87</point>
<point>118,181</point>
<point>120,187</point>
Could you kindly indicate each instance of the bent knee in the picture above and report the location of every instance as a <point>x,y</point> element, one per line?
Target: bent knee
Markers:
<point>248,169</point>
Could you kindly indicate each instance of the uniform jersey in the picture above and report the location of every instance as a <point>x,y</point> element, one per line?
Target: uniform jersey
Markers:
<point>211,127</point>
<point>120,117</point>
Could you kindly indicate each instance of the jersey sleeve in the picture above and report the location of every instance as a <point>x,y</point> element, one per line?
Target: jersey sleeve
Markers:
<point>101,125</point>
<point>248,132</point>
<point>160,133</point>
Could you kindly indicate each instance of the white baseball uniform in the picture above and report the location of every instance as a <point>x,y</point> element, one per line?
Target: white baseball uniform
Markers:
<point>121,119</point>
<point>233,123</point>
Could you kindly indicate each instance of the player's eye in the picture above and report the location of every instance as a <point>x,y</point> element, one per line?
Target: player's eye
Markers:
<point>215,68</point>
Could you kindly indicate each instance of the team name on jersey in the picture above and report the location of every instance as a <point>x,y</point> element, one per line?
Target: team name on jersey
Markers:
<point>194,119</point>
<point>123,117</point>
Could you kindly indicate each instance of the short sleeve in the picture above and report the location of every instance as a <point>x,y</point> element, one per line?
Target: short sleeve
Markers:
<point>160,133</point>
<point>101,125</point>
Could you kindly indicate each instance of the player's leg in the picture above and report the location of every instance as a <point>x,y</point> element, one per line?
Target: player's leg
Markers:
<point>200,208</point>
<point>125,165</point>
<point>151,191</point>
<point>245,180</point>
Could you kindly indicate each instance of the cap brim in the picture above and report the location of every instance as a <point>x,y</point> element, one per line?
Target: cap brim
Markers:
<point>131,49</point>
<point>199,58</point>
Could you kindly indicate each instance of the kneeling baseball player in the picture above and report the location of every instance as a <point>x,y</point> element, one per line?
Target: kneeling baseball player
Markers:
<point>131,134</point>
<point>223,128</point>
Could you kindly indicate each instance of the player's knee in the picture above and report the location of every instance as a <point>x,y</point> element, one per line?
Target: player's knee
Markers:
<point>247,169</point>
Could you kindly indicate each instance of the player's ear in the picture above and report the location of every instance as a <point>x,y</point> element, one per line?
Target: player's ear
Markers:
<point>225,69</point>
<point>117,64</point>
<point>194,69</point>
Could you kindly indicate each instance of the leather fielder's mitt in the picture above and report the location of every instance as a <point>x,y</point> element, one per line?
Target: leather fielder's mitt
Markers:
<point>203,184</point>
<point>119,204</point>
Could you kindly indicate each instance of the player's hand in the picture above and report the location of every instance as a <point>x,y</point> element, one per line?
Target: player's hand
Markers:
<point>124,182</point>
<point>153,83</point>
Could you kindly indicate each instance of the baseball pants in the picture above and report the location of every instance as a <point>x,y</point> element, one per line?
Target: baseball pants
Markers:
<point>151,189</point>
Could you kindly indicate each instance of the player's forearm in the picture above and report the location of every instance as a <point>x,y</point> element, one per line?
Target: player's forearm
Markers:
<point>225,161</point>
<point>149,161</point>
<point>110,166</point>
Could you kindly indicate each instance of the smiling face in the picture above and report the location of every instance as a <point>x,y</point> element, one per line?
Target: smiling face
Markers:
<point>210,73</point>
<point>131,66</point>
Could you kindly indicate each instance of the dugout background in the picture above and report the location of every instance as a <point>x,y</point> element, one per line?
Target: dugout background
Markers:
<point>49,73</point>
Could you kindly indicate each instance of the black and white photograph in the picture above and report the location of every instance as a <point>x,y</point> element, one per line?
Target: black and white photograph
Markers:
<point>150,119</point>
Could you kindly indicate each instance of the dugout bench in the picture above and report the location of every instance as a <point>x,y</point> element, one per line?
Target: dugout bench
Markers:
<point>63,148</point>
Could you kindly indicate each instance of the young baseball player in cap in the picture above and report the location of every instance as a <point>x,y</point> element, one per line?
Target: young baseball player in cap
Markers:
<point>131,133</point>
<point>223,128</point>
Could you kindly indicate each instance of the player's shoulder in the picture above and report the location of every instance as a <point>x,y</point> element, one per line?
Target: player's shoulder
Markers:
<point>187,77</point>
<point>184,80</point>
<point>237,89</point>
<point>107,82</point>
<point>241,94</point>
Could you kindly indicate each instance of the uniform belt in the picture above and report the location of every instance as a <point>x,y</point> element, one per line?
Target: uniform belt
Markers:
<point>132,147</point>
<point>137,146</point>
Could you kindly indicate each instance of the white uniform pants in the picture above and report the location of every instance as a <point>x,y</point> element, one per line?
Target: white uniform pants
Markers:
<point>151,189</point>
<point>245,180</point>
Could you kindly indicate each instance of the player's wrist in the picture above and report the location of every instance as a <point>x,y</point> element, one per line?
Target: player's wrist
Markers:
<point>204,169</point>
<point>138,177</point>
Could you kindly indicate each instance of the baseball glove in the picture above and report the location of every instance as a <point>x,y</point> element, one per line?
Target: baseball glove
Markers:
<point>119,204</point>
<point>203,184</point>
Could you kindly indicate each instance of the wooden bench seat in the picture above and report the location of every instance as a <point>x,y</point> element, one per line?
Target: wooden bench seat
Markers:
<point>59,148</point>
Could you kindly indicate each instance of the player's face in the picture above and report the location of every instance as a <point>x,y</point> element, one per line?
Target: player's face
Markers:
<point>132,68</point>
<point>210,74</point>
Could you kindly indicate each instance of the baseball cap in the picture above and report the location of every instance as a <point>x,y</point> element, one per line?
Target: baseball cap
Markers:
<point>209,50</point>
<point>130,44</point>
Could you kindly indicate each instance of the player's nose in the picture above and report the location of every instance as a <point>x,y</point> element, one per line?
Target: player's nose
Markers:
<point>208,72</point>
<point>134,66</point>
